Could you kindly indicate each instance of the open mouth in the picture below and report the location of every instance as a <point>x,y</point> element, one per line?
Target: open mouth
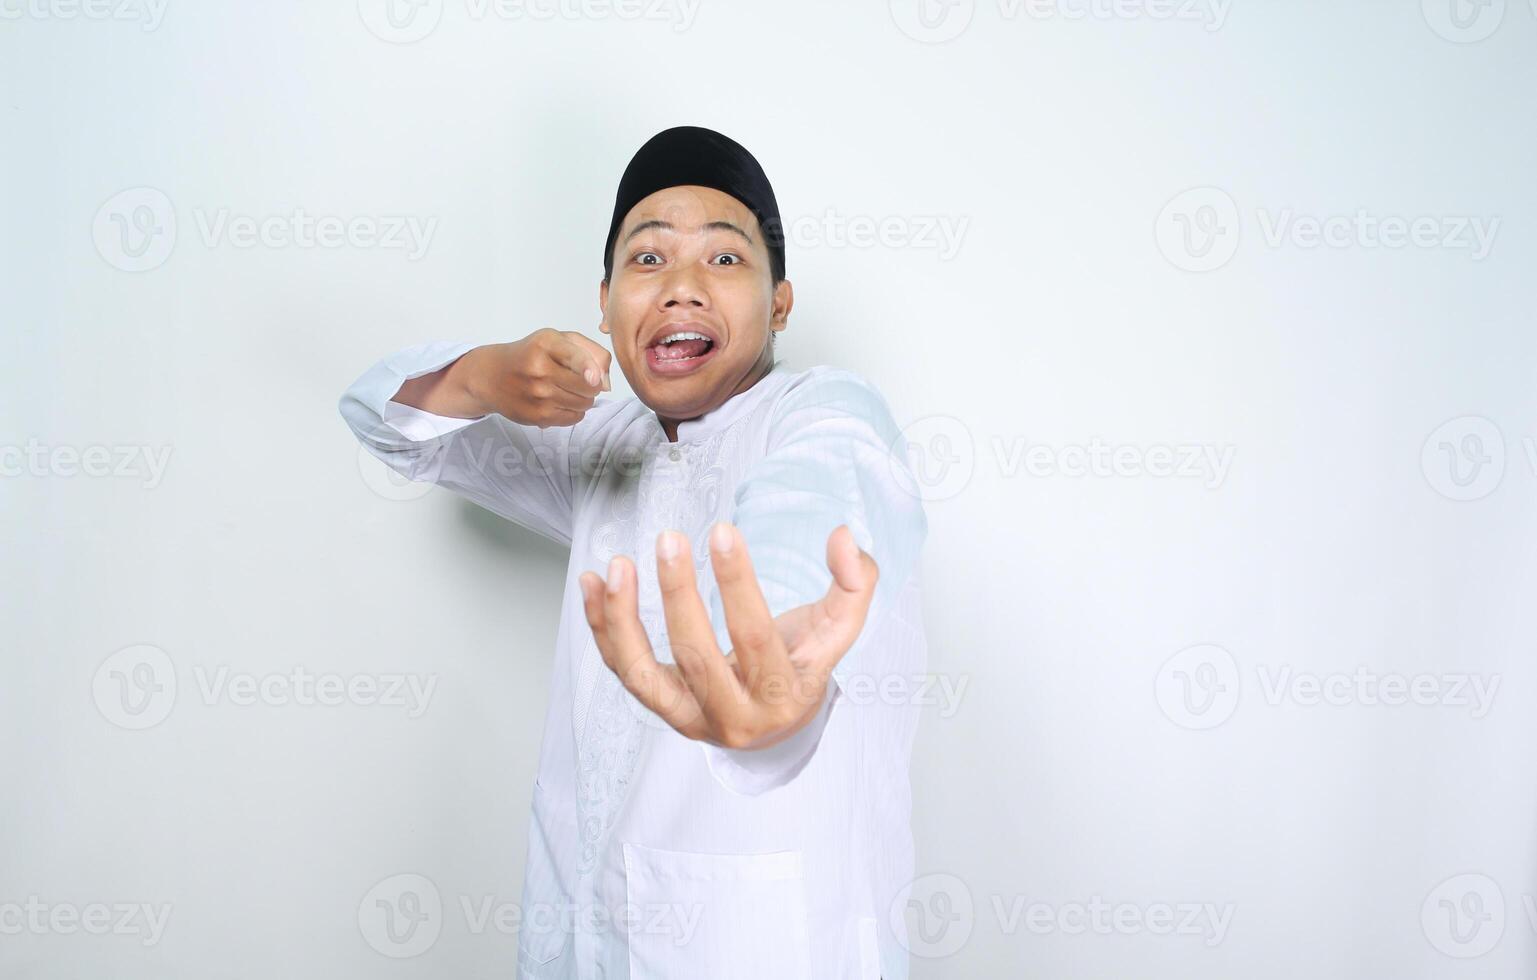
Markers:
<point>679,352</point>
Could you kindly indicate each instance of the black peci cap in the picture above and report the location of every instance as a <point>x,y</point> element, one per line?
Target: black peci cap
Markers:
<point>687,155</point>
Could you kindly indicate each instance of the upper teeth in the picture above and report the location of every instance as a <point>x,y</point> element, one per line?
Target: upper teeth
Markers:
<point>685,335</point>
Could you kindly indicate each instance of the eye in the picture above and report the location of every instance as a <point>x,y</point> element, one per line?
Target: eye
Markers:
<point>735,260</point>
<point>641,257</point>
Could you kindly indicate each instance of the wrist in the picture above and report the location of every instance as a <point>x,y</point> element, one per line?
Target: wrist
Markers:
<point>810,710</point>
<point>473,374</point>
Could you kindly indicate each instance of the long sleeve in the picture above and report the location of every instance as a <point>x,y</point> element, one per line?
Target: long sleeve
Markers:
<point>521,472</point>
<point>835,456</point>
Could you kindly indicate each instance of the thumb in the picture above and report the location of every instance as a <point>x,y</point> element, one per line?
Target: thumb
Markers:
<point>854,576</point>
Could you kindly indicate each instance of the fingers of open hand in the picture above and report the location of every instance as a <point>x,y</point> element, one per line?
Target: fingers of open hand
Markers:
<point>612,614</point>
<point>763,659</point>
<point>691,636</point>
<point>855,575</point>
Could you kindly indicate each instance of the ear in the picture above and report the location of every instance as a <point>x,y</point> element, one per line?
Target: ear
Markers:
<point>784,300</point>
<point>603,305</point>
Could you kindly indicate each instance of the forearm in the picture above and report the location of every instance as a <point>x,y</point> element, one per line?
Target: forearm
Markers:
<point>460,451</point>
<point>452,391</point>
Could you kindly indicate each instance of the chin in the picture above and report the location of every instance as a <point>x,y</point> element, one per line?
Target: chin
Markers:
<point>676,400</point>
<point>684,397</point>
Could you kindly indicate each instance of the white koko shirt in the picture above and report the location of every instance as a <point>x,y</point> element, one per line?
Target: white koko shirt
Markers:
<point>652,856</point>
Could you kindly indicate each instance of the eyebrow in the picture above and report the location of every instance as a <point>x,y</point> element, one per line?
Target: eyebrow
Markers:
<point>667,226</point>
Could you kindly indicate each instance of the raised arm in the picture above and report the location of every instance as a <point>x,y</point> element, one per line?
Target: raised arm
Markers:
<point>835,457</point>
<point>829,524</point>
<point>494,423</point>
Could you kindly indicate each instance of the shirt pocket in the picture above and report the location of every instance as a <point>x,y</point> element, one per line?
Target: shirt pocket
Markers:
<point>708,916</point>
<point>543,938</point>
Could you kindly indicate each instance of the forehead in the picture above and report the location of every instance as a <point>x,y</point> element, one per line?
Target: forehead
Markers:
<point>687,207</point>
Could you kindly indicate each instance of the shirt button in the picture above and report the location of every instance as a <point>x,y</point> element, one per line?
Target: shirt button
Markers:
<point>674,455</point>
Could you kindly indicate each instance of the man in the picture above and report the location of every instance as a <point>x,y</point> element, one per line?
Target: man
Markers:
<point>722,788</point>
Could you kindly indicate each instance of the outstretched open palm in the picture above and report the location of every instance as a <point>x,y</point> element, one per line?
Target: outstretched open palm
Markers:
<point>775,676</point>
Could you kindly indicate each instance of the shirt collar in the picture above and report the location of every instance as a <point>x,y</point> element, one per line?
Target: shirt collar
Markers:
<point>698,429</point>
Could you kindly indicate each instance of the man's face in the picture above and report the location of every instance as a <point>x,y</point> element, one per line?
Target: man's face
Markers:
<point>691,260</point>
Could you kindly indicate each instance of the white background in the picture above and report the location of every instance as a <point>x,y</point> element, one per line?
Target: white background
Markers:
<point>1356,390</point>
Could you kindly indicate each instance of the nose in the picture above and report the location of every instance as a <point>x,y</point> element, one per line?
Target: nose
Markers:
<point>684,286</point>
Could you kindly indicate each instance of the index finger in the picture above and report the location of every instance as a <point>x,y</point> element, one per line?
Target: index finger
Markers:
<point>586,359</point>
<point>625,648</point>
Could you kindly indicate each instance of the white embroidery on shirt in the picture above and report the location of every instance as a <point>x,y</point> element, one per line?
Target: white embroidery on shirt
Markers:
<point>685,496</point>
